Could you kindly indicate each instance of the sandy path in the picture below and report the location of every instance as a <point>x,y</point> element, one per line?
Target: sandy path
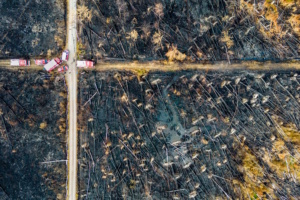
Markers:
<point>72,87</point>
<point>220,65</point>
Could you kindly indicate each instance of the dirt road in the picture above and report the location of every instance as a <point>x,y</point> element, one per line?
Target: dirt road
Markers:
<point>220,65</point>
<point>165,66</point>
<point>72,84</point>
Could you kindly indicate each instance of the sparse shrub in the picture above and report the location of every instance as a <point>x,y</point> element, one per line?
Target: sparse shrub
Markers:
<point>157,40</point>
<point>271,13</point>
<point>146,28</point>
<point>59,41</point>
<point>43,125</point>
<point>133,35</point>
<point>159,10</point>
<point>35,42</point>
<point>49,53</point>
<point>80,49</point>
<point>174,54</point>
<point>84,13</point>
<point>226,39</point>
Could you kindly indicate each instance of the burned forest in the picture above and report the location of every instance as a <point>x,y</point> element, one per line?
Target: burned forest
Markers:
<point>32,28</point>
<point>188,30</point>
<point>32,135</point>
<point>149,100</point>
<point>189,135</point>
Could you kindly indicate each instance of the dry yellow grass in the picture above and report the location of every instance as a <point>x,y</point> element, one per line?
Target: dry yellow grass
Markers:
<point>253,174</point>
<point>288,3</point>
<point>294,20</point>
<point>273,14</point>
<point>279,159</point>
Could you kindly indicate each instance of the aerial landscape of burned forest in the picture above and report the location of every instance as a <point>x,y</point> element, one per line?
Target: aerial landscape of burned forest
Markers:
<point>189,135</point>
<point>32,135</point>
<point>189,30</point>
<point>149,99</point>
<point>32,28</point>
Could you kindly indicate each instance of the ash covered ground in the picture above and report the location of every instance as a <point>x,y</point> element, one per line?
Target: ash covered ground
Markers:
<point>33,28</point>
<point>32,131</point>
<point>189,30</point>
<point>192,134</point>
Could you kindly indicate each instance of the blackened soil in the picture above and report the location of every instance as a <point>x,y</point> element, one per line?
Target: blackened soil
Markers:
<point>32,130</point>
<point>145,30</point>
<point>188,134</point>
<point>32,27</point>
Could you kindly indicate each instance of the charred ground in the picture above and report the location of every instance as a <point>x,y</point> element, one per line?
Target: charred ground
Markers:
<point>193,134</point>
<point>189,30</point>
<point>32,131</point>
<point>32,28</point>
